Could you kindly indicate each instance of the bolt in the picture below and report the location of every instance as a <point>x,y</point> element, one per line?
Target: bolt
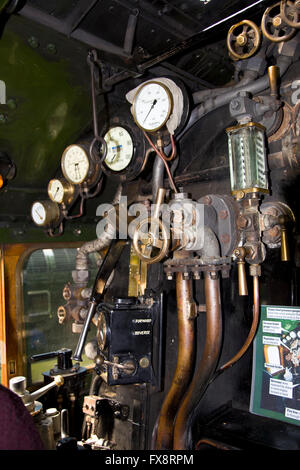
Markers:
<point>223,214</point>
<point>277,21</point>
<point>242,222</point>
<point>241,40</point>
<point>235,104</point>
<point>214,275</point>
<point>11,103</point>
<point>144,362</point>
<point>240,195</point>
<point>51,48</point>
<point>33,42</point>
<point>225,238</point>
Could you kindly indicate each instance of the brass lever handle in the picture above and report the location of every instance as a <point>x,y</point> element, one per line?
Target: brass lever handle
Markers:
<point>240,253</point>
<point>273,73</point>
<point>285,252</point>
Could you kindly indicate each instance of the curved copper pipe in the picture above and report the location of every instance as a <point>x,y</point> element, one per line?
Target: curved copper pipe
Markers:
<point>184,367</point>
<point>207,364</point>
<point>252,331</point>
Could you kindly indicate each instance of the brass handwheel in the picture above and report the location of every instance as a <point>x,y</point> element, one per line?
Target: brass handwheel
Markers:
<point>151,240</point>
<point>274,27</point>
<point>243,39</point>
<point>290,12</point>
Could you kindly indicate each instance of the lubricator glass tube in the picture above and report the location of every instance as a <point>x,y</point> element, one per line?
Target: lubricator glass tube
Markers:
<point>247,157</point>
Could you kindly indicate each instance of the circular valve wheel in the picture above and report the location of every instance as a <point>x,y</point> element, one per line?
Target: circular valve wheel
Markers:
<point>151,240</point>
<point>290,12</point>
<point>243,39</point>
<point>274,27</point>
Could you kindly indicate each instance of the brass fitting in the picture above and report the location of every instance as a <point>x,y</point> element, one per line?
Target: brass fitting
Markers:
<point>240,253</point>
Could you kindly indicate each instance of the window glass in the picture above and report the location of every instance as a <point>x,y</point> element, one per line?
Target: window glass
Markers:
<point>45,273</point>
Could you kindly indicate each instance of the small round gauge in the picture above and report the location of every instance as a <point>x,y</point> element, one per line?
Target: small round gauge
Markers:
<point>126,152</point>
<point>75,164</point>
<point>152,106</point>
<point>44,213</point>
<point>119,148</point>
<point>60,191</point>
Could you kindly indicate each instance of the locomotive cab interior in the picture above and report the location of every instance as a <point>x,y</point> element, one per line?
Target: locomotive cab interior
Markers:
<point>149,223</point>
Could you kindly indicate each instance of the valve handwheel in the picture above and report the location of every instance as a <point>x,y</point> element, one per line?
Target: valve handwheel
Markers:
<point>151,240</point>
<point>243,39</point>
<point>290,12</point>
<point>274,27</point>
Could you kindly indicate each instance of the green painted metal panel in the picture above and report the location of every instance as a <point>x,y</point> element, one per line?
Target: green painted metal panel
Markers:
<point>47,108</point>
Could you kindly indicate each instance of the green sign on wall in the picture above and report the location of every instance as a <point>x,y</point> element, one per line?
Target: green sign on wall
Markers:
<point>275,391</point>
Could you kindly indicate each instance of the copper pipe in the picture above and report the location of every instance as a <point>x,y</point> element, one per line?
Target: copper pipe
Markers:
<point>252,331</point>
<point>184,367</point>
<point>207,364</point>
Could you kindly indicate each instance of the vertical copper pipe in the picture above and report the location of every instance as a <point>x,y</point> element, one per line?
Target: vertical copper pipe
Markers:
<point>207,364</point>
<point>184,367</point>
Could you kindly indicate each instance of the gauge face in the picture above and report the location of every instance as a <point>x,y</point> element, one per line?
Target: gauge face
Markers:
<point>38,213</point>
<point>56,191</point>
<point>75,164</point>
<point>119,148</point>
<point>60,191</point>
<point>152,106</point>
<point>45,212</point>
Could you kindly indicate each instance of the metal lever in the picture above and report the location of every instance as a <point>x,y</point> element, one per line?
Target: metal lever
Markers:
<point>240,253</point>
<point>108,264</point>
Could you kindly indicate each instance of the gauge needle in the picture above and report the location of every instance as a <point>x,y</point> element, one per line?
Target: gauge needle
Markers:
<point>153,104</point>
<point>77,169</point>
<point>39,215</point>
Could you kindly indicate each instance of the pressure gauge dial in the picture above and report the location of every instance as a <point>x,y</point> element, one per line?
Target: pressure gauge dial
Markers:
<point>45,213</point>
<point>75,164</point>
<point>126,152</point>
<point>119,148</point>
<point>152,106</point>
<point>60,191</point>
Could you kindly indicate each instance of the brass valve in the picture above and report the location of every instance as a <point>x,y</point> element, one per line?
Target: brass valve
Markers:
<point>240,253</point>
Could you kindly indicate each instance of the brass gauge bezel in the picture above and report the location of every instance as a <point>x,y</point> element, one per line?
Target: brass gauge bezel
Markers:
<point>68,191</point>
<point>68,178</point>
<point>170,102</point>
<point>52,213</point>
<point>102,331</point>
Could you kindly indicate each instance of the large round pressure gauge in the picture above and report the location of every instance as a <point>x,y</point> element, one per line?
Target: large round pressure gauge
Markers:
<point>45,213</point>
<point>152,106</point>
<point>119,148</point>
<point>75,164</point>
<point>60,191</point>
